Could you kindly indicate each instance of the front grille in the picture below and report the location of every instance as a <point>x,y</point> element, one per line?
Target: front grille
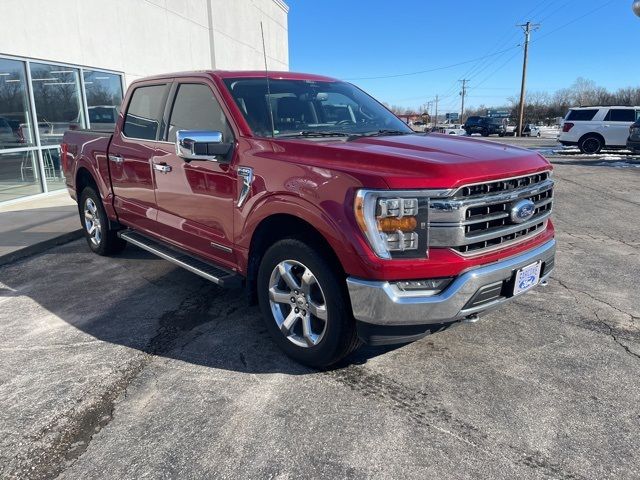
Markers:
<point>477,218</point>
<point>502,185</point>
<point>500,240</point>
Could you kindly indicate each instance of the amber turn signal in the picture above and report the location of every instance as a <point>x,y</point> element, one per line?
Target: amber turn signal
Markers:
<point>393,224</point>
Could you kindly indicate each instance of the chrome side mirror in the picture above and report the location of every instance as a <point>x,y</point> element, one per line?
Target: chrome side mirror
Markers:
<point>201,145</point>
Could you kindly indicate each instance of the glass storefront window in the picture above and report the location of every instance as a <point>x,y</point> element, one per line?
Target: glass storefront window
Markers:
<point>15,120</point>
<point>56,92</point>
<point>29,166</point>
<point>104,95</point>
<point>19,175</point>
<point>52,171</point>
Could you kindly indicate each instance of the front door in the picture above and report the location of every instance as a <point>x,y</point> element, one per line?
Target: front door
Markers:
<point>130,154</point>
<point>195,199</point>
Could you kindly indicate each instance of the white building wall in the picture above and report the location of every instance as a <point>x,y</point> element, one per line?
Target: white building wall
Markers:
<point>146,37</point>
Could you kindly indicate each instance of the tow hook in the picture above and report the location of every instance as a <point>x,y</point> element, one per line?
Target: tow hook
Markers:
<point>471,318</point>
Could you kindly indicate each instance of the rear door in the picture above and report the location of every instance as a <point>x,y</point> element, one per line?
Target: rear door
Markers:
<point>132,149</point>
<point>616,126</point>
<point>195,198</point>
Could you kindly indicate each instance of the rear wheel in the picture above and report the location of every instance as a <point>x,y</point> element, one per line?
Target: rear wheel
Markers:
<point>101,239</point>
<point>590,144</point>
<point>484,133</point>
<point>305,305</point>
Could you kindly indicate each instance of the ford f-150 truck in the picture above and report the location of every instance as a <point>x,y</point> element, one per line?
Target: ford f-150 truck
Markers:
<point>340,221</point>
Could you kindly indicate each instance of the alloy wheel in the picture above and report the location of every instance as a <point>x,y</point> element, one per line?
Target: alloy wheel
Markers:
<point>92,222</point>
<point>298,303</point>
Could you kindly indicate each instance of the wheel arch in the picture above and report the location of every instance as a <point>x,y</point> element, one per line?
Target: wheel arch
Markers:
<point>593,134</point>
<point>280,226</point>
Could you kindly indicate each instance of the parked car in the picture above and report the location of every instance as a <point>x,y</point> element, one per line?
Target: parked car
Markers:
<point>633,141</point>
<point>485,126</point>
<point>452,129</point>
<point>531,130</point>
<point>344,231</point>
<point>594,128</point>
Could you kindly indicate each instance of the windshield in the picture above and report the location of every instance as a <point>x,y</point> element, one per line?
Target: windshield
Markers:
<point>311,107</point>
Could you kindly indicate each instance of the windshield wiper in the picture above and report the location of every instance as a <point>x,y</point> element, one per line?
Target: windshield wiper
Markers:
<point>382,133</point>
<point>313,133</point>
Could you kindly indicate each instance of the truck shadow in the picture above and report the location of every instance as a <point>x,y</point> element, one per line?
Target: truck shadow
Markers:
<point>167,311</point>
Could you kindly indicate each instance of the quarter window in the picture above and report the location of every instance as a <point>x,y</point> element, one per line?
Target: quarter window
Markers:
<point>581,115</point>
<point>195,108</point>
<point>621,115</point>
<point>145,111</point>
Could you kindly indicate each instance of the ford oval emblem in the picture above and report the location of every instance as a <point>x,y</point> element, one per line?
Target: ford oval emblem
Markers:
<point>522,210</point>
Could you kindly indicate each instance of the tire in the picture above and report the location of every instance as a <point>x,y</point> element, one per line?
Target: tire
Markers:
<point>501,134</point>
<point>484,133</point>
<point>590,144</point>
<point>101,239</point>
<point>314,326</point>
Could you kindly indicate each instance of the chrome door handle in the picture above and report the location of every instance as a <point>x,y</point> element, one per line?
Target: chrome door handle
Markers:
<point>162,167</point>
<point>116,158</point>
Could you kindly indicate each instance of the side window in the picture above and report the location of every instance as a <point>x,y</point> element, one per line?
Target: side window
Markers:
<point>584,115</point>
<point>195,108</point>
<point>620,115</point>
<point>145,112</point>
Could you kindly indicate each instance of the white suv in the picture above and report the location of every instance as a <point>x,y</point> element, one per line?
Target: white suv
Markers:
<point>593,128</point>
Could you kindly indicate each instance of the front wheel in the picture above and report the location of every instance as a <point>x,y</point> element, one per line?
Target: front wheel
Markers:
<point>305,305</point>
<point>101,239</point>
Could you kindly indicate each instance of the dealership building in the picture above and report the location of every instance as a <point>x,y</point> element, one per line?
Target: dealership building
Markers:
<point>65,64</point>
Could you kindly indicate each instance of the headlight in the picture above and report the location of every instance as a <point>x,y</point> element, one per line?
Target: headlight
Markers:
<point>394,222</point>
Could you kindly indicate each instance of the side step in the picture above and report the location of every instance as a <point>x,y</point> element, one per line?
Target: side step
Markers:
<point>213,273</point>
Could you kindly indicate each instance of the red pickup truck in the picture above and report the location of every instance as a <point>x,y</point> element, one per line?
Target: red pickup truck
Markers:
<point>344,224</point>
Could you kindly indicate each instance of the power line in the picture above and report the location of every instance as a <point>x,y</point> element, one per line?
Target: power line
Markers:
<point>432,69</point>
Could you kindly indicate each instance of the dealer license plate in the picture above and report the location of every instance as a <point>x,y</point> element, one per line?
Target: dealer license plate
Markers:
<point>527,278</point>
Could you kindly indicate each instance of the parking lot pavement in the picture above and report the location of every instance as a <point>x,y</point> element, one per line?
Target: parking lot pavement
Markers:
<point>127,367</point>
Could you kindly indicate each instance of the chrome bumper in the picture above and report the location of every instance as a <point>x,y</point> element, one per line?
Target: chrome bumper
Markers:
<point>383,303</point>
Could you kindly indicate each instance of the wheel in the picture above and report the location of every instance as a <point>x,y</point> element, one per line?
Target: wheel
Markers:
<point>590,144</point>
<point>101,239</point>
<point>305,305</point>
<point>501,134</point>
<point>484,133</point>
<point>538,134</point>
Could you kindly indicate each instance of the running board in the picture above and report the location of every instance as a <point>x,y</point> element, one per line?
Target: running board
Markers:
<point>213,273</point>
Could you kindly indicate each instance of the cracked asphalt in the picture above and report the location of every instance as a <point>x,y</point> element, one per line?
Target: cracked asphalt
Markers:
<point>128,367</point>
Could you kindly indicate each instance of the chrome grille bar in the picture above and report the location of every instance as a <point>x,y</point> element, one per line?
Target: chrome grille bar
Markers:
<point>473,223</point>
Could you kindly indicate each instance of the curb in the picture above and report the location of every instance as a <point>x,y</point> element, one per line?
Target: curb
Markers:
<point>40,246</point>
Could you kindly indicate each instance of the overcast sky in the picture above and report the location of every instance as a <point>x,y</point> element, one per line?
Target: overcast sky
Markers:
<point>357,39</point>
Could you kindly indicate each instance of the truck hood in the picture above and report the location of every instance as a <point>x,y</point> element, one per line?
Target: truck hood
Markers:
<point>416,161</point>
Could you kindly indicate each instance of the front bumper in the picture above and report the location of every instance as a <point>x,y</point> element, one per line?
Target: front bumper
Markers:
<point>473,292</point>
<point>633,144</point>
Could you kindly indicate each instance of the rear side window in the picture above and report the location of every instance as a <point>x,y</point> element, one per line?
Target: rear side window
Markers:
<point>621,115</point>
<point>196,108</point>
<point>145,112</point>
<point>581,115</point>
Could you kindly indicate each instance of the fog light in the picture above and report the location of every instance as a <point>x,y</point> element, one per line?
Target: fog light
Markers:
<point>433,285</point>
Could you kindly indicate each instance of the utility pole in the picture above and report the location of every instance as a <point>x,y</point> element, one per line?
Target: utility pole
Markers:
<point>436,119</point>
<point>463,93</point>
<point>528,28</point>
